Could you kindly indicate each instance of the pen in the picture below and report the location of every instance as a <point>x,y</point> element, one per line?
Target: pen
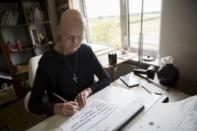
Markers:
<point>158,93</point>
<point>146,89</point>
<point>61,98</point>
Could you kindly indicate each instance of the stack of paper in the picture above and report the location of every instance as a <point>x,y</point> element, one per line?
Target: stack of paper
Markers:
<point>101,116</point>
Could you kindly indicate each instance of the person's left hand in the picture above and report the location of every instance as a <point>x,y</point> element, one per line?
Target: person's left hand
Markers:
<point>82,96</point>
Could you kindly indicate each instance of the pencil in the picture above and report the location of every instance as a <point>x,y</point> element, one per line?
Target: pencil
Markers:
<point>61,98</point>
<point>146,89</point>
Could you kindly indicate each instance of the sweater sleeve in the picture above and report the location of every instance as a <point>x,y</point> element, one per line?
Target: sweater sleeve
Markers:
<point>36,104</point>
<point>100,72</point>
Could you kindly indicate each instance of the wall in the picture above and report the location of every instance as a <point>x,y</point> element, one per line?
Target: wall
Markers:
<point>179,36</point>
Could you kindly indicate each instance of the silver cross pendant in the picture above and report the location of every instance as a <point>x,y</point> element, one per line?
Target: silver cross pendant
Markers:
<point>75,78</point>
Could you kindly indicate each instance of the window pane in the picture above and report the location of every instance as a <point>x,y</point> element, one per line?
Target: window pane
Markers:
<point>104,22</point>
<point>151,25</point>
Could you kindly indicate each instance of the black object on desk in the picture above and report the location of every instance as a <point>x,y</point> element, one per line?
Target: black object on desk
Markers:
<point>112,57</point>
<point>168,75</point>
<point>130,117</point>
<point>150,72</point>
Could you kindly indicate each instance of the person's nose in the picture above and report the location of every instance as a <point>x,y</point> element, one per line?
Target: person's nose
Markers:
<point>75,41</point>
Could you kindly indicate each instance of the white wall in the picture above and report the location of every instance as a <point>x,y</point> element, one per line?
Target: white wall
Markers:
<point>179,35</point>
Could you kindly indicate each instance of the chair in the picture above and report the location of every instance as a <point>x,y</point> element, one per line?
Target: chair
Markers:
<point>33,65</point>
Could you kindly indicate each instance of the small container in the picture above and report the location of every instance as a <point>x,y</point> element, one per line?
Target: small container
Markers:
<point>112,58</point>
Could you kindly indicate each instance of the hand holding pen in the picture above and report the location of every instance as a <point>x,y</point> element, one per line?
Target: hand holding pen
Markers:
<point>67,108</point>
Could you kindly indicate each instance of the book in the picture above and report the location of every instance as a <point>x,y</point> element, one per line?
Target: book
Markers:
<point>4,18</point>
<point>38,15</point>
<point>8,18</point>
<point>34,36</point>
<point>16,16</point>
<point>10,22</point>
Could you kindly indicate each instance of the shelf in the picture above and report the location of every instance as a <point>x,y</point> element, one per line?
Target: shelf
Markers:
<point>8,1</point>
<point>30,1</point>
<point>39,23</point>
<point>22,50</point>
<point>8,95</point>
<point>21,69</point>
<point>43,45</point>
<point>14,26</point>
<point>27,21</point>
<point>24,25</point>
<point>5,76</point>
<point>31,48</point>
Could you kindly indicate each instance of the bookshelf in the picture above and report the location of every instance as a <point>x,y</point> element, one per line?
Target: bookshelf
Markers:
<point>27,29</point>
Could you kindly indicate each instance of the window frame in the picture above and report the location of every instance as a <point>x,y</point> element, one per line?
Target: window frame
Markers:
<point>151,51</point>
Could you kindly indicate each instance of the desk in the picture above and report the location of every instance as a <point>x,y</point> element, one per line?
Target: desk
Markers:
<point>172,93</point>
<point>119,94</point>
<point>126,62</point>
<point>109,94</point>
<point>176,116</point>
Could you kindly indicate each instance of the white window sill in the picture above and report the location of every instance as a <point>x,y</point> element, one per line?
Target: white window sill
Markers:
<point>101,49</point>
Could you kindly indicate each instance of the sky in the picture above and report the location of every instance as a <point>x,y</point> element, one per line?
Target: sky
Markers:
<point>97,8</point>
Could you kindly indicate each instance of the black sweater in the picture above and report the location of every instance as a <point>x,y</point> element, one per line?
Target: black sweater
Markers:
<point>55,75</point>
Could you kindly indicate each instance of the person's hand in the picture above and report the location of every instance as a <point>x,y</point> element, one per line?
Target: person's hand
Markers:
<point>65,109</point>
<point>82,96</point>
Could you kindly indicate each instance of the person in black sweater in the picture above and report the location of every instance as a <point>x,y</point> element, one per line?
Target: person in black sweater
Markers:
<point>67,71</point>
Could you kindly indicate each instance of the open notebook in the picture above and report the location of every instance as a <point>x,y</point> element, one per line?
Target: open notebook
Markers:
<point>101,116</point>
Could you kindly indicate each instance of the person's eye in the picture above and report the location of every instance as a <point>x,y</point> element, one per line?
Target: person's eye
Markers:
<point>79,37</point>
<point>69,37</point>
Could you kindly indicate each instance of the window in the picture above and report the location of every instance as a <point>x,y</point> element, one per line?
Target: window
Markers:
<point>150,25</point>
<point>103,22</point>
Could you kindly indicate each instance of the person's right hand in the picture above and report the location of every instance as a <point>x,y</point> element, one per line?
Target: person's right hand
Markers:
<point>65,109</point>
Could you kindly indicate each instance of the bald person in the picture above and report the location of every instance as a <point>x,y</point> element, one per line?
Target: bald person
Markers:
<point>66,72</point>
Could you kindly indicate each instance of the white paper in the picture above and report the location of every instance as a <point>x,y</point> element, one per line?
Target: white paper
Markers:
<point>89,116</point>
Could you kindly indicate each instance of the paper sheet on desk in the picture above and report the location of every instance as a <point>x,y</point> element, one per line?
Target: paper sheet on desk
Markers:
<point>89,116</point>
